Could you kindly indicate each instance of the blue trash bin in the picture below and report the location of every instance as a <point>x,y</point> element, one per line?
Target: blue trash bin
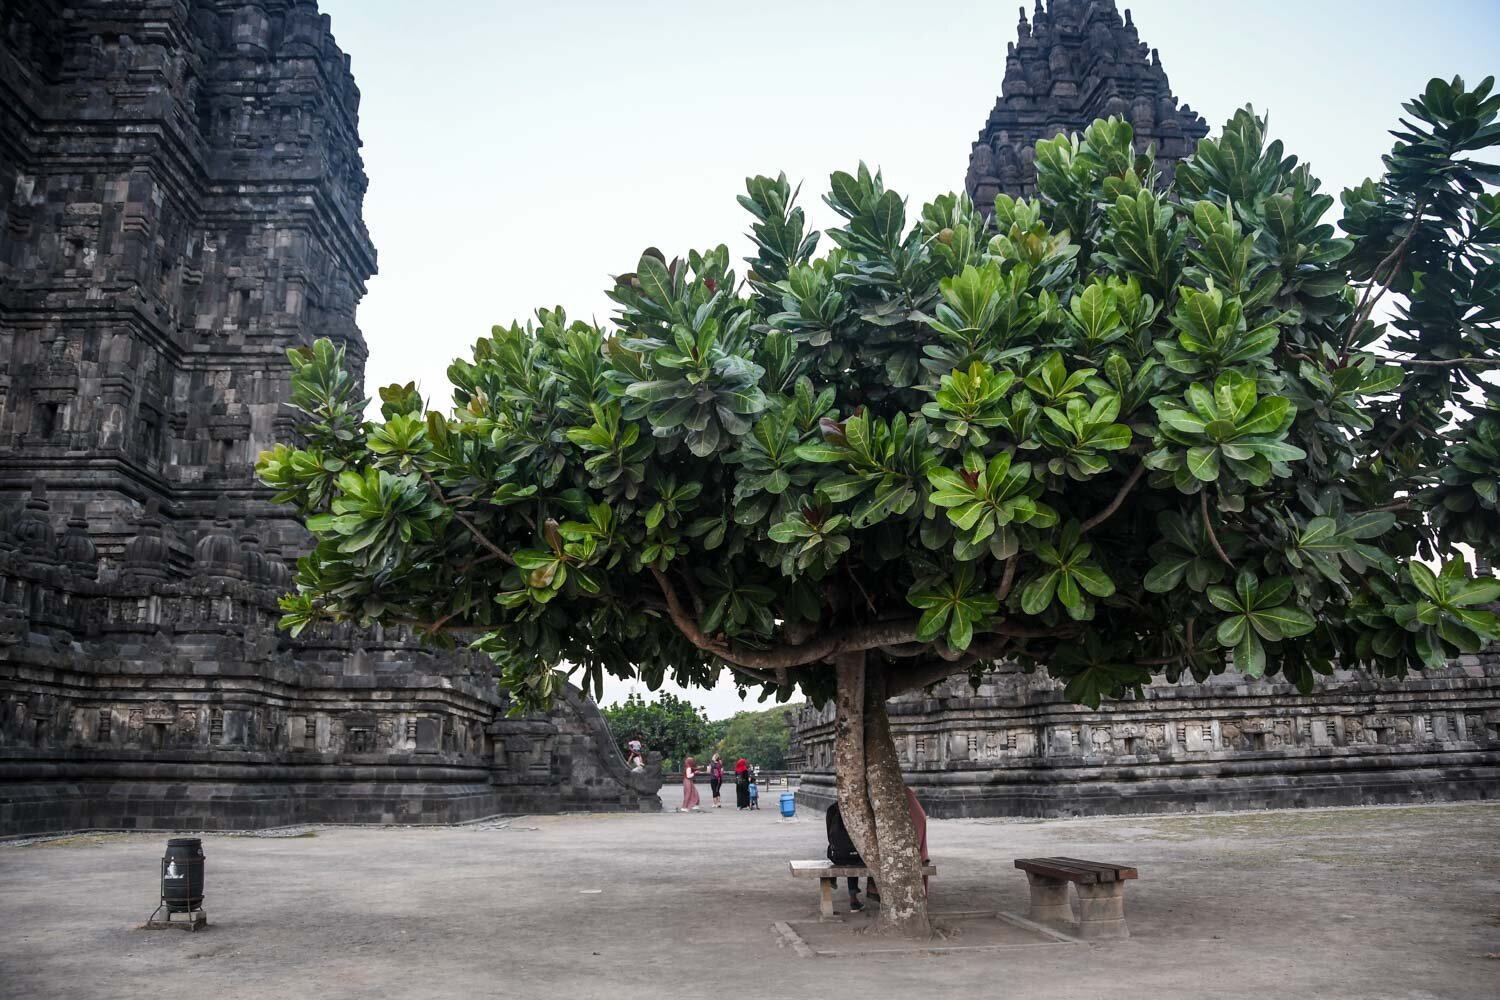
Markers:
<point>788,804</point>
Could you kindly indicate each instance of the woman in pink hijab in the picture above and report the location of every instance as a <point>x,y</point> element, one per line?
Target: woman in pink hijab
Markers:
<point>689,790</point>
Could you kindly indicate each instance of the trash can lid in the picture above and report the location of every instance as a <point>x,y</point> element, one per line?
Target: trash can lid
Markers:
<point>184,842</point>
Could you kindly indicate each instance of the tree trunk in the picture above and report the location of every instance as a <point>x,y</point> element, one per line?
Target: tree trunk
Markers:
<point>872,796</point>
<point>849,756</point>
<point>903,896</point>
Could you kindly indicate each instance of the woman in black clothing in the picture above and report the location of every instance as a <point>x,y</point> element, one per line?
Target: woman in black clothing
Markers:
<point>741,784</point>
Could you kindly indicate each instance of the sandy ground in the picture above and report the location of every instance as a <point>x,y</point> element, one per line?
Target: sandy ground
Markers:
<point>1352,903</point>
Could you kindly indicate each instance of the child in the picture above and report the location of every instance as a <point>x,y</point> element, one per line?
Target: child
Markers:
<point>754,795</point>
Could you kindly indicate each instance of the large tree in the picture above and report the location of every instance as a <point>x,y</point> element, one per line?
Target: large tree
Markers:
<point>1116,431</point>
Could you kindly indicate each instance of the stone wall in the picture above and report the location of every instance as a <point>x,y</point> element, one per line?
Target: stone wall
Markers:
<point>150,703</point>
<point>180,203</point>
<point>1017,747</point>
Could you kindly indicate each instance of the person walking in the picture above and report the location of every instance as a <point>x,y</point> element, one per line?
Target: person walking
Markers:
<point>689,790</point>
<point>716,779</point>
<point>741,784</point>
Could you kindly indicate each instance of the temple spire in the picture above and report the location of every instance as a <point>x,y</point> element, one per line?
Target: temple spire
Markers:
<point>1073,63</point>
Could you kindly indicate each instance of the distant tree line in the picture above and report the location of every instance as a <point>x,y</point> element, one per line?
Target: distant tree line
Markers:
<point>672,727</point>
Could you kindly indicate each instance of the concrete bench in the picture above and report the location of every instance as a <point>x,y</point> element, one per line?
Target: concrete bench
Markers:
<point>1100,888</point>
<point>829,874</point>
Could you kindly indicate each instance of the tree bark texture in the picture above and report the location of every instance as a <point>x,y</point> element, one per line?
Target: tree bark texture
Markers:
<point>849,756</point>
<point>872,795</point>
<point>903,897</point>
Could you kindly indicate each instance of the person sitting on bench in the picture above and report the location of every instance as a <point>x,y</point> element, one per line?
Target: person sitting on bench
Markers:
<point>841,849</point>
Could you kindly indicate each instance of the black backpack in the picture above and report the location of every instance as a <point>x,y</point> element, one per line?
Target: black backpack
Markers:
<point>840,848</point>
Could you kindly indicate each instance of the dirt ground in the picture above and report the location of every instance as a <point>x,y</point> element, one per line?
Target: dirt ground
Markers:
<point>1349,903</point>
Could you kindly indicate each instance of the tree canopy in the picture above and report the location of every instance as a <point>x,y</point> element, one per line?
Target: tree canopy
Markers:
<point>1117,429</point>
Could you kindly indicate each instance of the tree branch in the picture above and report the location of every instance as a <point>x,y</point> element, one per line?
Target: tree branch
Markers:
<point>827,645</point>
<point>692,589</point>
<point>1208,526</point>
<point>1370,297</point>
<point>498,552</point>
<point>760,675</point>
<point>1114,505</point>
<point>464,567</point>
<point>1455,363</point>
<point>854,579</point>
<point>855,639</point>
<point>433,627</point>
<point>1187,652</point>
<point>1007,578</point>
<point>931,673</point>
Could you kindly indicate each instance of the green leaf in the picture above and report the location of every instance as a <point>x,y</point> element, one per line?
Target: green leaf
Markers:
<point>1382,378</point>
<point>1426,581</point>
<point>932,622</point>
<point>1232,630</point>
<point>1284,620</point>
<point>1224,599</point>
<point>1275,451</point>
<point>1369,525</point>
<point>1183,420</point>
<point>1268,417</point>
<point>1163,576</point>
<point>1037,594</point>
<point>1203,463</point>
<point>960,631</point>
<point>1321,533</point>
<point>656,281</point>
<point>817,451</point>
<point>658,390</point>
<point>1482,591</point>
<point>1250,655</point>
<point>1093,579</point>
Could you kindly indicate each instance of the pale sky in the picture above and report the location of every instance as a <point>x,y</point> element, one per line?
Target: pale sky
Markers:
<point>520,152</point>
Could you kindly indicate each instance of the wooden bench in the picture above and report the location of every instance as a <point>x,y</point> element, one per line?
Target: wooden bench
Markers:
<point>1101,894</point>
<point>829,874</point>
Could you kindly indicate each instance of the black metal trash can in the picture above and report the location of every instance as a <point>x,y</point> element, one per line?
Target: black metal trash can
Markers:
<point>182,875</point>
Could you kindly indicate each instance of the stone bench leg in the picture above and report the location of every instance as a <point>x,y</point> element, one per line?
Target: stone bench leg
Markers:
<point>1101,911</point>
<point>1049,900</point>
<point>825,897</point>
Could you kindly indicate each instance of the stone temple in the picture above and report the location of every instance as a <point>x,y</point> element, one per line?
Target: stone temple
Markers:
<point>1072,63</point>
<point>180,202</point>
<point>1015,746</point>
